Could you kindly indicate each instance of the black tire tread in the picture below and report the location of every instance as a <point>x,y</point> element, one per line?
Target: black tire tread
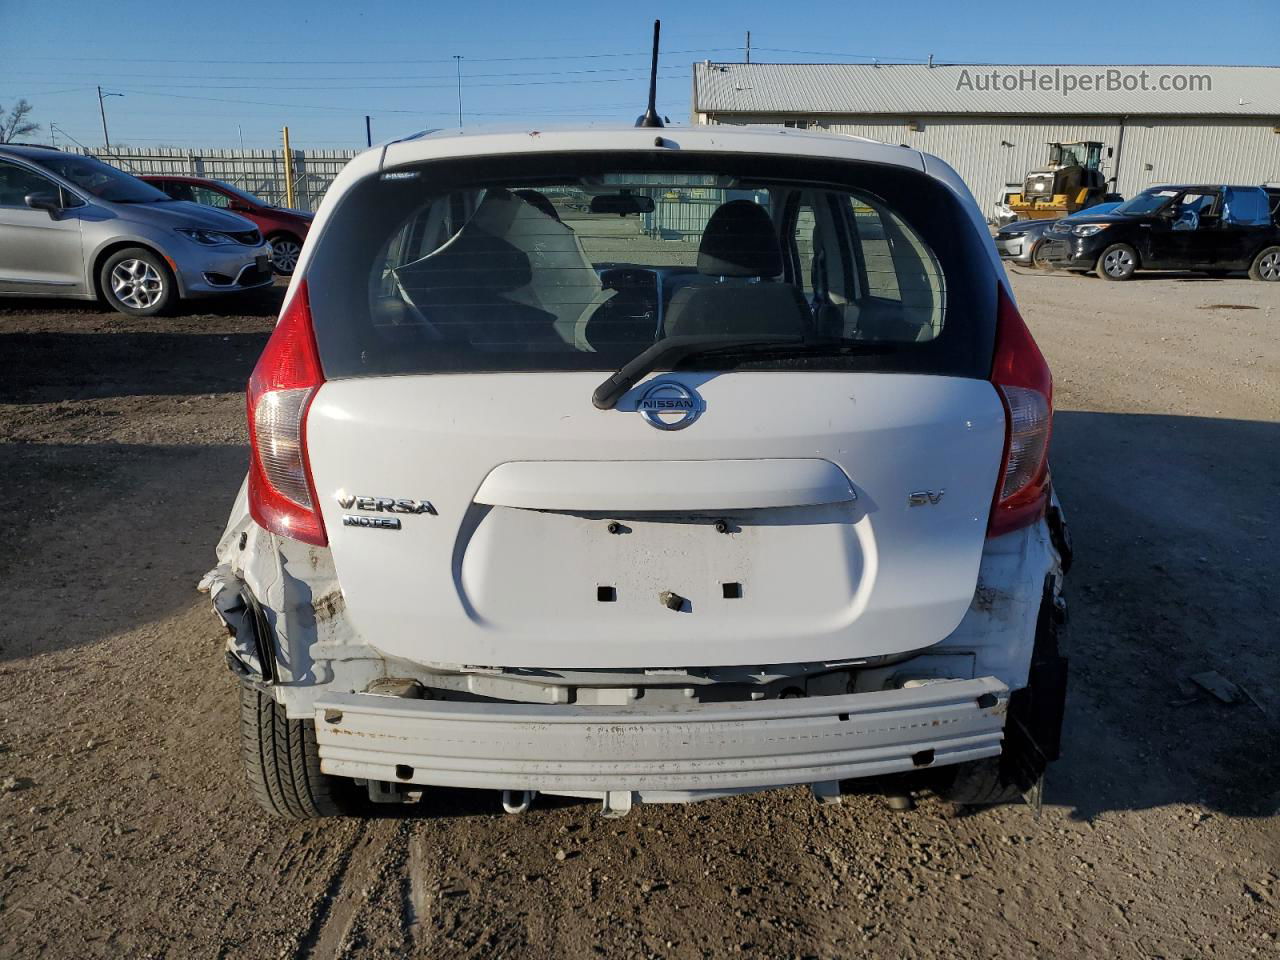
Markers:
<point>980,783</point>
<point>282,763</point>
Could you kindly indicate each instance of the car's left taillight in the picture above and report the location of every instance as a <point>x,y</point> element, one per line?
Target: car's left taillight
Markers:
<point>282,496</point>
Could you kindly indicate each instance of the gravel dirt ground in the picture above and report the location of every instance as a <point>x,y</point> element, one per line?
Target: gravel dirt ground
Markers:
<point>125,830</point>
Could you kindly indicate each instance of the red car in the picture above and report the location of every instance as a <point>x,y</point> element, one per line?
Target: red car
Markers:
<point>284,229</point>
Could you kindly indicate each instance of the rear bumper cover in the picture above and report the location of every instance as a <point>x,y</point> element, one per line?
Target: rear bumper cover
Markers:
<point>705,749</point>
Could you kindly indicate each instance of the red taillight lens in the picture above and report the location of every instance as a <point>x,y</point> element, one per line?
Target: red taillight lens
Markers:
<point>282,497</point>
<point>1026,387</point>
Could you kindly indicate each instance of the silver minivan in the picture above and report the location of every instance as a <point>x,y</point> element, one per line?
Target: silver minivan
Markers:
<point>74,226</point>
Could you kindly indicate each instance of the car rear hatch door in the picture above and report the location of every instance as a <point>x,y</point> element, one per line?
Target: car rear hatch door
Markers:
<point>559,535</point>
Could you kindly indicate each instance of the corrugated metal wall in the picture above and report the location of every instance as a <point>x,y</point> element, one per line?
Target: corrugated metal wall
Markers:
<point>260,172</point>
<point>989,152</point>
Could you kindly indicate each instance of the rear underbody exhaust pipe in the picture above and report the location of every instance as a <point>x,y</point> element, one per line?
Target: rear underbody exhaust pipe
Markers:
<point>518,801</point>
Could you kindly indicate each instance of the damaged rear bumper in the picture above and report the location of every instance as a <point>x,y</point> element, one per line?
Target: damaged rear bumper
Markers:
<point>659,754</point>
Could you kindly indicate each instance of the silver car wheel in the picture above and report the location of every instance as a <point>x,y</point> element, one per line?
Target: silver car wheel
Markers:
<point>135,283</point>
<point>284,255</point>
<point>1118,263</point>
<point>1269,266</point>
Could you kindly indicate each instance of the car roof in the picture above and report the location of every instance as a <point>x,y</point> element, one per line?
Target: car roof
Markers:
<point>176,176</point>
<point>1205,186</point>
<point>27,150</point>
<point>444,144</point>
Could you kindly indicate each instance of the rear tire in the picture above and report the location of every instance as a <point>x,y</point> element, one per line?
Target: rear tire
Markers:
<point>137,282</point>
<point>1266,265</point>
<point>1117,262</point>
<point>282,763</point>
<point>980,783</point>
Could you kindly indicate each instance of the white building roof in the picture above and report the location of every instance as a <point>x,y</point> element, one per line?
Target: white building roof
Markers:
<point>812,89</point>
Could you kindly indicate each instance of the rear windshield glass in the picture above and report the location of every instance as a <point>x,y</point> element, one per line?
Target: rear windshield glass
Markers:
<point>579,262</point>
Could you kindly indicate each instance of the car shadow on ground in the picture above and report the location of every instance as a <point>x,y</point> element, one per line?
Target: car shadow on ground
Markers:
<point>1174,521</point>
<point>262,302</point>
<point>48,367</point>
<point>1026,270</point>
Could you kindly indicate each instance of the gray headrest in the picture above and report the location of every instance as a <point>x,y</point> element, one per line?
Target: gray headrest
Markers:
<point>739,242</point>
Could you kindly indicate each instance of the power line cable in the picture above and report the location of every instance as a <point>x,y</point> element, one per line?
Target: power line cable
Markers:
<point>111,75</point>
<point>306,106</point>
<point>579,56</point>
<point>397,86</point>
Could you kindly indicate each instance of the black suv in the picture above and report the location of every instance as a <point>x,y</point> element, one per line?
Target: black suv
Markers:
<point>1214,229</point>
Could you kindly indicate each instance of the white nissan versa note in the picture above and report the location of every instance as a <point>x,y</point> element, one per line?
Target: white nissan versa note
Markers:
<point>646,466</point>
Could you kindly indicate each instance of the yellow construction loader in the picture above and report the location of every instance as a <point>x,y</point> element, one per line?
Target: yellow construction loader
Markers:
<point>1071,181</point>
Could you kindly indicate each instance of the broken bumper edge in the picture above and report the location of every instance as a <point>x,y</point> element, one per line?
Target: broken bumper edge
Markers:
<point>704,750</point>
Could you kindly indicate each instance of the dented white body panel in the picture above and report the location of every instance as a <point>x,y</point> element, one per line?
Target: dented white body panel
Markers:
<point>947,703</point>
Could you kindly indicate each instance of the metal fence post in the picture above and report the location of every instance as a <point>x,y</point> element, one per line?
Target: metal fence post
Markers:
<point>288,170</point>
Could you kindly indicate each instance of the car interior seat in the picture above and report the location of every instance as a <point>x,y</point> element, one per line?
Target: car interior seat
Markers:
<point>513,274</point>
<point>739,261</point>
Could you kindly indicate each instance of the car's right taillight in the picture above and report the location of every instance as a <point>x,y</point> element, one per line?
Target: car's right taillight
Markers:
<point>1025,385</point>
<point>282,497</point>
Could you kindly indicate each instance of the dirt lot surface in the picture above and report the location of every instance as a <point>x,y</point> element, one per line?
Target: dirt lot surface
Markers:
<point>125,830</point>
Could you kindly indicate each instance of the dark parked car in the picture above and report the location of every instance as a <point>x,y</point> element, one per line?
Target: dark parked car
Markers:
<point>284,229</point>
<point>1213,229</point>
<point>1020,240</point>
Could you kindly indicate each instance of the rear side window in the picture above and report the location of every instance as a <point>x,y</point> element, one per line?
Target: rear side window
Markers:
<point>580,262</point>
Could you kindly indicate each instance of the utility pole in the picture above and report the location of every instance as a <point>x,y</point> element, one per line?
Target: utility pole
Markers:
<point>458,60</point>
<point>288,171</point>
<point>106,140</point>
<point>748,46</point>
<point>368,132</point>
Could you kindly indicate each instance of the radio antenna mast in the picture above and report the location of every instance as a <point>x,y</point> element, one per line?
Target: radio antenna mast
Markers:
<point>650,117</point>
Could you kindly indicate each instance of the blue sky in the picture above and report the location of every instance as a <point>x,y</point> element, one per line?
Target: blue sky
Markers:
<point>214,74</point>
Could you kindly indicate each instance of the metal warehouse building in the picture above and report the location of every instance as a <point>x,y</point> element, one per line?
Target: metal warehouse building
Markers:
<point>1157,124</point>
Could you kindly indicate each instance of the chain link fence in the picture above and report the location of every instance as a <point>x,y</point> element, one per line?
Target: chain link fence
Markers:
<point>260,172</point>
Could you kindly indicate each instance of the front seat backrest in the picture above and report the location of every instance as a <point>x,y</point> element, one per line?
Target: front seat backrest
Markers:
<point>740,255</point>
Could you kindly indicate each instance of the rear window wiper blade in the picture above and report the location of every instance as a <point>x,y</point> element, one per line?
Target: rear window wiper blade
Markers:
<point>671,349</point>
